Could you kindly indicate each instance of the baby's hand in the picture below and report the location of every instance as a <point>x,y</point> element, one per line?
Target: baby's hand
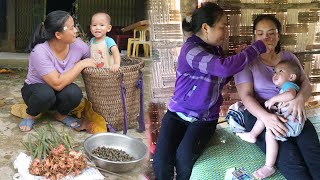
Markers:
<point>269,104</point>
<point>115,67</point>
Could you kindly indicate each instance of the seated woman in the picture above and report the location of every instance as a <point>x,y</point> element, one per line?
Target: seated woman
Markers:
<point>54,64</point>
<point>299,157</point>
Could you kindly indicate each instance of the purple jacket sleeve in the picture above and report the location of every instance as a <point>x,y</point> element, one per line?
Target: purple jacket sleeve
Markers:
<point>208,63</point>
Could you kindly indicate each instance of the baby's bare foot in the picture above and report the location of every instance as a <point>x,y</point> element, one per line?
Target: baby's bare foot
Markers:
<point>264,171</point>
<point>247,136</point>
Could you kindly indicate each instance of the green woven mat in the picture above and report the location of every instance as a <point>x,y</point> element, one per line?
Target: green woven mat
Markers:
<point>316,123</point>
<point>226,151</point>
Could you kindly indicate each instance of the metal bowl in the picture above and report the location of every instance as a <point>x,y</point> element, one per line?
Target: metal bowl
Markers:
<point>135,148</point>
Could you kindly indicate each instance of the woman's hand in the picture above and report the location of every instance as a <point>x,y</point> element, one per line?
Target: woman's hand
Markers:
<point>240,48</point>
<point>88,62</point>
<point>295,107</point>
<point>269,44</point>
<point>58,81</point>
<point>275,123</point>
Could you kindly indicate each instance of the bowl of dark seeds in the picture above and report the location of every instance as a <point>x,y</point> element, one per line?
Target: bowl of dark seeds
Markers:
<point>115,152</point>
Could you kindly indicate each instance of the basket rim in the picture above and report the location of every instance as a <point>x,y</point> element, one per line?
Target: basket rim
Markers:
<point>140,64</point>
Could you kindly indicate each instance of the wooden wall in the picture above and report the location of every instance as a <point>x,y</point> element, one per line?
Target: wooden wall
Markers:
<point>122,12</point>
<point>31,12</point>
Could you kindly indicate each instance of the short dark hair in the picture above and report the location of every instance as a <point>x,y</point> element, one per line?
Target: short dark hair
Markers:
<point>106,14</point>
<point>209,13</point>
<point>276,22</point>
<point>295,68</point>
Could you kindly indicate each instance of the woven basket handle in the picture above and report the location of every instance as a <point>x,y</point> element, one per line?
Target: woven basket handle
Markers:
<point>123,98</point>
<point>141,114</point>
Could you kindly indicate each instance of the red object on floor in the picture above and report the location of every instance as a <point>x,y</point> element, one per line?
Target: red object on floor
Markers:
<point>121,40</point>
<point>155,114</point>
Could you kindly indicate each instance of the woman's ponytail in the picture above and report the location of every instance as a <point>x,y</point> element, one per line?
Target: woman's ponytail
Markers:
<point>46,30</point>
<point>37,37</point>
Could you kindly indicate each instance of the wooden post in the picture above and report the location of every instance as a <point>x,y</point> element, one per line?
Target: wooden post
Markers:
<point>11,25</point>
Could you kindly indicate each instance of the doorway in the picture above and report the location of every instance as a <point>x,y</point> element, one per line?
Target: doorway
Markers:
<point>65,5</point>
<point>3,19</point>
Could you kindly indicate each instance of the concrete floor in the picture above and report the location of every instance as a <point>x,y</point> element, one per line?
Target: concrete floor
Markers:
<point>10,135</point>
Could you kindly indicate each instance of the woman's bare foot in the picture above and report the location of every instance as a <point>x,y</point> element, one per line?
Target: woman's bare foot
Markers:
<point>247,136</point>
<point>264,171</point>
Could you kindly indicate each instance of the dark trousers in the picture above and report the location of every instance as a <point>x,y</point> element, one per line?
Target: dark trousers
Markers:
<point>41,97</point>
<point>298,157</point>
<point>179,145</point>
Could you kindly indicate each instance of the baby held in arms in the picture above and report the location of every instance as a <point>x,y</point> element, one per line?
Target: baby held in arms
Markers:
<point>286,76</point>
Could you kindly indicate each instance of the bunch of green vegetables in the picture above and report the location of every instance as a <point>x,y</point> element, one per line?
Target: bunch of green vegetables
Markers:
<point>44,140</point>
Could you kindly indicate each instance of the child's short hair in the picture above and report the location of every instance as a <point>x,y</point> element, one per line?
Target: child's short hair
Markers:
<point>295,68</point>
<point>106,14</point>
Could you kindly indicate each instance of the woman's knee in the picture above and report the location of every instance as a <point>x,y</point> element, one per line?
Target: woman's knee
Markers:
<point>290,161</point>
<point>293,170</point>
<point>249,120</point>
<point>44,95</point>
<point>41,98</point>
<point>72,93</point>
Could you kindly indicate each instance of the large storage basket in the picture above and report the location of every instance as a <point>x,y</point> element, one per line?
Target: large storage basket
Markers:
<point>118,97</point>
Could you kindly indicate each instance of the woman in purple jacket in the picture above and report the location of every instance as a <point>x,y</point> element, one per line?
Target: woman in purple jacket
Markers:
<point>54,64</point>
<point>298,157</point>
<point>193,111</point>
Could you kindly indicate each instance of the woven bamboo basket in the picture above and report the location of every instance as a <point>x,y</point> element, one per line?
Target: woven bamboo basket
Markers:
<point>104,91</point>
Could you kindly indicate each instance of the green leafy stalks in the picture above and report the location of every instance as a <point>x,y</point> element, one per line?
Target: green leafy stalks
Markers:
<point>40,144</point>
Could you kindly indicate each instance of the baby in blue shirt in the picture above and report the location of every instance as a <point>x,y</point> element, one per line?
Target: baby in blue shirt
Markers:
<point>286,76</point>
<point>103,48</point>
